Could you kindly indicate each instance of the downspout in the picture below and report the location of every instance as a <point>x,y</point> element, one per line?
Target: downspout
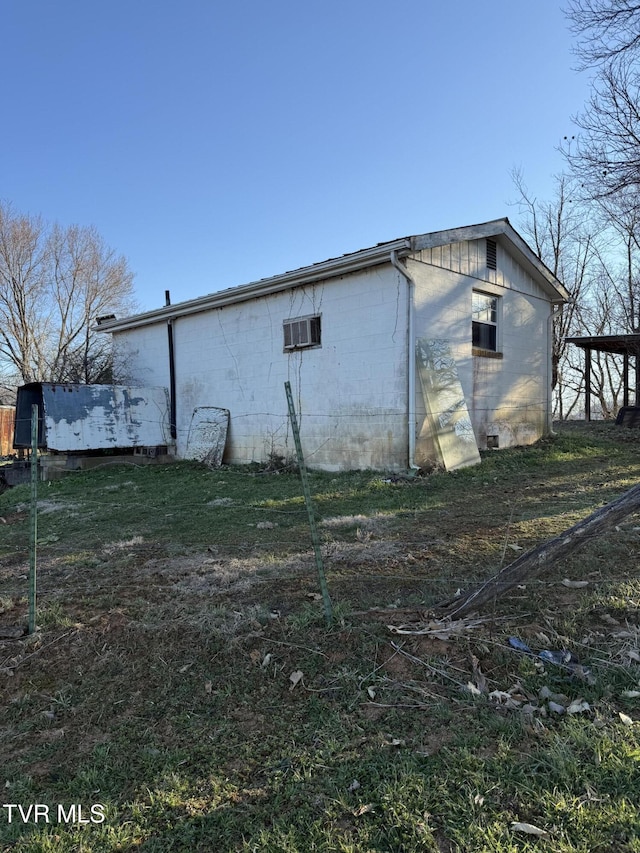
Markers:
<point>172,372</point>
<point>411,358</point>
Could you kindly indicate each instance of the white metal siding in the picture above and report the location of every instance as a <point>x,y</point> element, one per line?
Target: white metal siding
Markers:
<point>469,257</point>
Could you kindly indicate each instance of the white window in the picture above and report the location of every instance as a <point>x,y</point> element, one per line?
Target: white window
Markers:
<point>302,332</point>
<point>484,311</point>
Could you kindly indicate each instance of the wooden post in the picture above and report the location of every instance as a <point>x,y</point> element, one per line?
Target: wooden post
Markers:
<point>531,563</point>
<point>625,379</point>
<point>587,384</point>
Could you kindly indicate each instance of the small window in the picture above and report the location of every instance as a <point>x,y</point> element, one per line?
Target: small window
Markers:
<point>485,321</point>
<point>492,255</point>
<point>302,332</point>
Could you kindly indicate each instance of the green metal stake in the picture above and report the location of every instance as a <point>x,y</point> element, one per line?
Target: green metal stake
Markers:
<point>326,600</point>
<point>33,519</point>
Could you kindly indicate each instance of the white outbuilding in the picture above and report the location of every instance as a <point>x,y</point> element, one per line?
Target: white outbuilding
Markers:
<point>414,352</point>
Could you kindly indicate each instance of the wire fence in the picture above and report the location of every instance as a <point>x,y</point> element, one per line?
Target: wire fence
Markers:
<point>289,521</point>
<point>255,434</point>
<point>81,523</point>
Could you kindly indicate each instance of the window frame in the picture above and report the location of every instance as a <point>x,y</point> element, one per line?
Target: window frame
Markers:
<point>486,332</point>
<point>312,337</point>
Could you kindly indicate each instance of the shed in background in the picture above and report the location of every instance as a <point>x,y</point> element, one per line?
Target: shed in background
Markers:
<point>76,418</point>
<point>628,346</point>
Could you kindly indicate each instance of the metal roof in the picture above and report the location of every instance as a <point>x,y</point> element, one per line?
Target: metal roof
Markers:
<point>621,344</point>
<point>500,229</point>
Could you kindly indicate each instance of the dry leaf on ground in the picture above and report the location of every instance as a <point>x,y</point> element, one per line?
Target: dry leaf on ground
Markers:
<point>295,678</point>
<point>529,829</point>
<point>578,706</point>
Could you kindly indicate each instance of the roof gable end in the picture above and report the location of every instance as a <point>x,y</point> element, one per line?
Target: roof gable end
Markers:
<point>505,234</point>
<point>499,229</point>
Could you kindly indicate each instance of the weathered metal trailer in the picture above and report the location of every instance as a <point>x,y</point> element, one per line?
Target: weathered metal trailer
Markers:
<point>81,418</point>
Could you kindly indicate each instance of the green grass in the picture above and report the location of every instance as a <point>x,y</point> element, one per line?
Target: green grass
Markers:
<point>171,619</point>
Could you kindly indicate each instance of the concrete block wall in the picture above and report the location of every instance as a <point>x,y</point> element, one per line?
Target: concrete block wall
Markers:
<point>350,393</point>
<point>506,395</point>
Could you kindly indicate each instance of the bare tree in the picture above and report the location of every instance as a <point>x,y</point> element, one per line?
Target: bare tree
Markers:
<point>88,280</point>
<point>593,247</point>
<point>605,161</point>
<point>560,234</point>
<point>54,283</point>
<point>606,29</point>
<point>620,221</point>
<point>23,263</point>
<point>599,315</point>
<point>606,156</point>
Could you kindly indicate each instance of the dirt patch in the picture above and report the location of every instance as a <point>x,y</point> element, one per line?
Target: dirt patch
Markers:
<point>14,517</point>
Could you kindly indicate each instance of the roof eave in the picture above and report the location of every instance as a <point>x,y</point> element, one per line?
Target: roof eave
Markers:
<point>619,344</point>
<point>350,263</point>
<point>264,287</point>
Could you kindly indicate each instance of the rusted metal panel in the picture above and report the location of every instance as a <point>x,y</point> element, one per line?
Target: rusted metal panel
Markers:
<point>93,417</point>
<point>7,417</point>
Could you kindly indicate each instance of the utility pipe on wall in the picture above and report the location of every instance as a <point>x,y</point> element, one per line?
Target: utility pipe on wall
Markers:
<point>411,358</point>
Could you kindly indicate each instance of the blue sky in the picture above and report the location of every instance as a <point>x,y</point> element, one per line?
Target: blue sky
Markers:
<point>215,143</point>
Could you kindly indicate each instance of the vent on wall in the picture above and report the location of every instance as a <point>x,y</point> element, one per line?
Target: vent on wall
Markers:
<point>492,255</point>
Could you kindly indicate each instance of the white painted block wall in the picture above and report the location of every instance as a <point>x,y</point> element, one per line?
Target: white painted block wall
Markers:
<point>350,393</point>
<point>505,396</point>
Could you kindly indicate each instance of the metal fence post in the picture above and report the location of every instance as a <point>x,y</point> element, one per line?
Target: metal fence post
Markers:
<point>326,600</point>
<point>33,519</point>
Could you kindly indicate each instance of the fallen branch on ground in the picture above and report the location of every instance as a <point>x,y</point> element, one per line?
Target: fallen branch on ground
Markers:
<point>531,563</point>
